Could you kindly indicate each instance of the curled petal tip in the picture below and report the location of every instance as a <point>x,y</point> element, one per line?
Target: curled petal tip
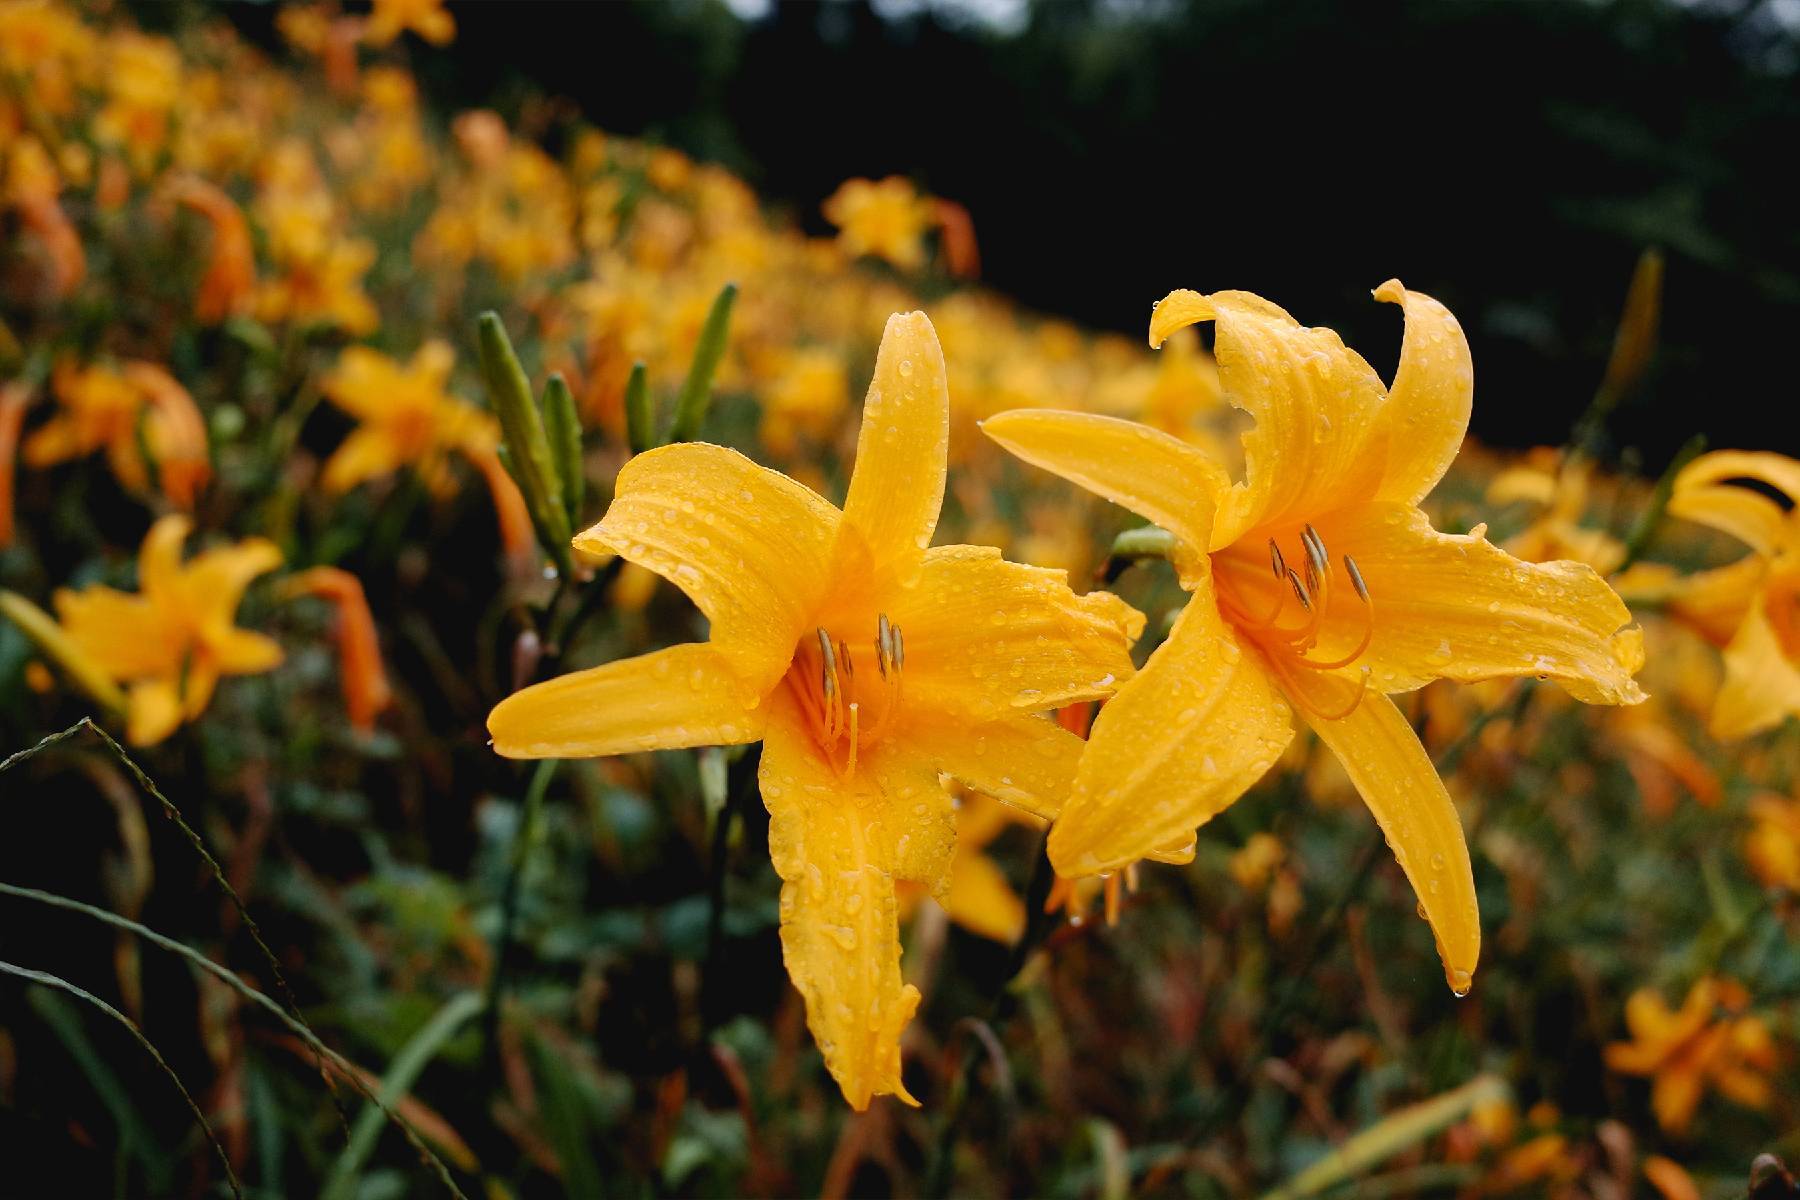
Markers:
<point>1391,292</point>
<point>1177,310</point>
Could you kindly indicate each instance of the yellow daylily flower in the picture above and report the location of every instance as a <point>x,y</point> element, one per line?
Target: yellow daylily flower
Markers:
<point>1558,485</point>
<point>1751,608</point>
<point>171,641</point>
<point>405,414</point>
<point>887,219</point>
<point>426,18</point>
<point>1318,586</point>
<point>1710,1041</point>
<point>869,665</point>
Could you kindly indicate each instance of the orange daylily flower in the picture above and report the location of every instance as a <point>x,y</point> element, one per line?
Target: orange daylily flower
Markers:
<point>888,220</point>
<point>1710,1041</point>
<point>1751,608</point>
<point>230,276</point>
<point>407,416</point>
<point>1318,586</point>
<point>426,18</point>
<point>366,691</point>
<point>101,408</point>
<point>869,666</point>
<point>171,641</point>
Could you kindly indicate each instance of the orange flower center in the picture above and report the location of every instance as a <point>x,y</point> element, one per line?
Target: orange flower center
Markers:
<point>1284,610</point>
<point>850,694</point>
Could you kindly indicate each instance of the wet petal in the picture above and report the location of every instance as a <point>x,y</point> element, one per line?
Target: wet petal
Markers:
<point>683,696</point>
<point>1452,606</point>
<point>749,546</point>
<point>1160,478</point>
<point>897,486</point>
<point>1398,782</point>
<point>1027,761</point>
<point>987,638</point>
<point>840,935</point>
<point>1320,437</point>
<point>1762,686</point>
<point>1427,409</point>
<point>1198,726</point>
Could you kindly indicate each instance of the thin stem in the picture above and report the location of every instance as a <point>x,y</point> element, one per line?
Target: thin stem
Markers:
<point>1638,540</point>
<point>1037,927</point>
<point>504,946</point>
<point>740,788</point>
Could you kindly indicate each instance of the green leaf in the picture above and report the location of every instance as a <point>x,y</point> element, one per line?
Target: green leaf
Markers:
<point>63,985</point>
<point>402,1073</point>
<point>696,389</point>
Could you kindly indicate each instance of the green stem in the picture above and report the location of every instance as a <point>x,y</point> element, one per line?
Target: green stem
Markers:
<point>1638,540</point>
<point>504,946</point>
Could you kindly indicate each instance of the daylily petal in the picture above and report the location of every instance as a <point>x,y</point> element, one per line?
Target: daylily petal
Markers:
<point>986,637</point>
<point>125,635</point>
<point>1397,780</point>
<point>897,486</point>
<point>159,558</point>
<point>1319,437</point>
<point>214,580</point>
<point>1160,478</point>
<point>1454,606</point>
<point>198,683</point>
<point>1713,602</point>
<point>1027,761</point>
<point>840,935</point>
<point>1427,409</point>
<point>153,711</point>
<point>368,453</point>
<point>1761,685</point>
<point>1703,493</point>
<point>981,899</point>
<point>683,696</point>
<point>749,546</point>
<point>242,652</point>
<point>1198,726</point>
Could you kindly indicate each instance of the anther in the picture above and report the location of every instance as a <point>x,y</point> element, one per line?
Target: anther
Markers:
<point>1315,550</point>
<point>1312,576</point>
<point>884,642</point>
<point>899,648</point>
<point>1356,579</point>
<point>829,677</point>
<point>849,663</point>
<point>1276,562</point>
<point>1300,592</point>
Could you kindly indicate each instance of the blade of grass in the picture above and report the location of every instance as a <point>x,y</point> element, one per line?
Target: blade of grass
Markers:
<point>1392,1134</point>
<point>82,994</point>
<point>134,1136</point>
<point>300,1029</point>
<point>401,1075</point>
<point>218,873</point>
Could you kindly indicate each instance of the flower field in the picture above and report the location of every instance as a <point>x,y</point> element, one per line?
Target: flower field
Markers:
<point>527,669</point>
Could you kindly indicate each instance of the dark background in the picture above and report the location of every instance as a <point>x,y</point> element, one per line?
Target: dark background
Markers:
<point>1511,158</point>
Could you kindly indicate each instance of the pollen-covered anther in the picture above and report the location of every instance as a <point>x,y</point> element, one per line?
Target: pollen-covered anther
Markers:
<point>844,714</point>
